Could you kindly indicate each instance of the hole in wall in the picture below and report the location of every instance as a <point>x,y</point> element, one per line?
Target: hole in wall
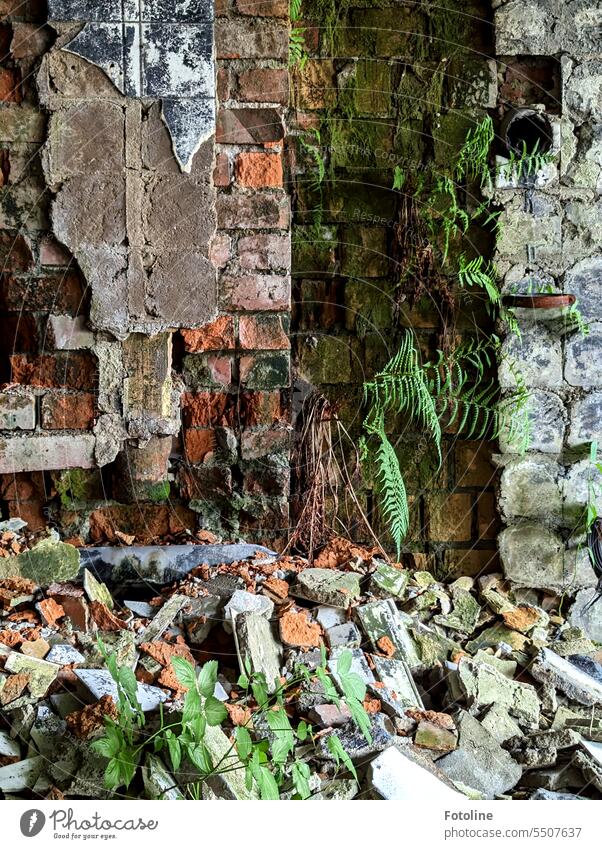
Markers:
<point>527,132</point>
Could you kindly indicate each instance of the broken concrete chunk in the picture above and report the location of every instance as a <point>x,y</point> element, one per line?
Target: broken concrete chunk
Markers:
<point>549,667</point>
<point>9,748</point>
<point>100,683</point>
<point>397,678</point>
<point>63,653</point>
<point>329,617</point>
<point>344,635</point>
<point>588,665</point>
<point>244,602</point>
<point>465,613</point>
<point>23,775</point>
<point>96,590</point>
<point>388,581</point>
<point>359,665</point>
<point>479,761</point>
<point>551,796</point>
<point>432,735</point>
<point>506,667</point>
<point>41,673</point>
<point>255,643</point>
<point>140,608</point>
<point>589,620</point>
<point>328,586</point>
<point>396,777</point>
<point>329,715</point>
<point>389,631</point>
<point>158,782</point>
<point>484,685</point>
<point>500,724</point>
<point>354,742</point>
<point>199,616</point>
<point>162,620</point>
<point>50,560</point>
<point>160,564</point>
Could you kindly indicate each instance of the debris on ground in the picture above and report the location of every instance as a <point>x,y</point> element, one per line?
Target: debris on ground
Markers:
<point>472,687</point>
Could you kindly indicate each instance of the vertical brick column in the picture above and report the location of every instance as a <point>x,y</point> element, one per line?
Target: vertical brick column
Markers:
<point>236,414</point>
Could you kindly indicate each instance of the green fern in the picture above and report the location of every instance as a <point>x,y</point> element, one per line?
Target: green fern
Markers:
<point>478,272</point>
<point>450,391</point>
<point>473,159</point>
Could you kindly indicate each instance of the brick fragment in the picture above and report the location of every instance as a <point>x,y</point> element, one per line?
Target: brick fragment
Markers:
<point>259,170</point>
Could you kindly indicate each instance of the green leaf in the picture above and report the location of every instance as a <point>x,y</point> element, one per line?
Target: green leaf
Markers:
<point>214,710</point>
<point>175,751</point>
<point>112,776</point>
<point>353,686</point>
<point>260,693</point>
<point>184,671</point>
<point>244,744</point>
<point>344,663</point>
<point>243,681</point>
<point>340,755</point>
<point>301,774</point>
<point>208,678</point>
<point>302,730</point>
<point>104,747</point>
<point>268,789</point>
<point>127,680</point>
<point>192,706</point>
<point>200,757</point>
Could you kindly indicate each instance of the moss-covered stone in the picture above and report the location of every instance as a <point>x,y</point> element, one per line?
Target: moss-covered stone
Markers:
<point>49,561</point>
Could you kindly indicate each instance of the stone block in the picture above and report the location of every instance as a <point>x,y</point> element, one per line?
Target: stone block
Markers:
<point>583,92</point>
<point>181,290</point>
<point>46,452</point>
<point>537,354</point>
<point>265,371</point>
<point>178,212</point>
<point>530,489</point>
<point>533,556</point>
<point>581,483</point>
<point>17,412</point>
<point>583,358</point>
<point>239,38</point>
<point>548,420</point>
<point>585,281</point>
<point>449,516</point>
<point>256,292</point>
<point>85,138</point>
<point>69,333</point>
<point>528,28</point>
<point>586,420</point>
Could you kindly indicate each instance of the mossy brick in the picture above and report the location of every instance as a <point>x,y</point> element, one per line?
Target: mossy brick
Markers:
<point>369,305</point>
<point>449,134</point>
<point>364,251</point>
<point>265,370</point>
<point>311,251</point>
<point>328,359</point>
<point>22,124</point>
<point>48,561</point>
<point>361,143</point>
<point>372,89</point>
<point>206,371</point>
<point>384,32</point>
<point>77,486</point>
<point>363,196</point>
<point>315,84</point>
<point>449,516</point>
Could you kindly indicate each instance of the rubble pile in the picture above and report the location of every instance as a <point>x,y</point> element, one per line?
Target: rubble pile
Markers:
<point>472,686</point>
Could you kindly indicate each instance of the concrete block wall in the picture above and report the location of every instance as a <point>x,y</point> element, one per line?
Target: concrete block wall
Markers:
<point>549,58</point>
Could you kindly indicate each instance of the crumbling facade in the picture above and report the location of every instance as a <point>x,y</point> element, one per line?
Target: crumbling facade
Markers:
<point>549,60</point>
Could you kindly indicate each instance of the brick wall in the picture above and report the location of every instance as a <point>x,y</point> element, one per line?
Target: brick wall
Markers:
<point>400,84</point>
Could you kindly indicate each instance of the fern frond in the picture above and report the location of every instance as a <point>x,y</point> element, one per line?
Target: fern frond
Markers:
<point>393,497</point>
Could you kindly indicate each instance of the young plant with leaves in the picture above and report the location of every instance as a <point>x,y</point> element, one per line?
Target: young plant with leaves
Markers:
<point>264,746</point>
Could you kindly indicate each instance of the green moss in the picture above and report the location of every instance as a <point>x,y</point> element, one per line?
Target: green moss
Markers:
<point>77,486</point>
<point>159,491</point>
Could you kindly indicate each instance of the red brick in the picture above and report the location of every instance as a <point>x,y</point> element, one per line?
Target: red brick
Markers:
<point>207,409</point>
<point>148,523</point>
<point>10,85</point>
<point>260,408</point>
<point>15,252</point>
<point>252,211</point>
<point>262,333</point>
<point>69,370</point>
<point>221,172</point>
<point>259,443</point>
<point>248,126</point>
<point>259,170</point>
<point>22,486</point>
<point>220,250</point>
<point>30,40</point>
<point>31,512</point>
<point>217,336</point>
<point>53,253</point>
<point>196,481</point>
<point>257,292</point>
<point>68,412</point>
<point>61,294</point>
<point>242,38</point>
<point>19,334</point>
<point>264,251</point>
<point>223,84</point>
<point>264,85</point>
<point>263,8</point>
<point>198,444</point>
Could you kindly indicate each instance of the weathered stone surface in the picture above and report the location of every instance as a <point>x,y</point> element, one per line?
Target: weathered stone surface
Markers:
<point>533,556</point>
<point>158,782</point>
<point>485,686</point>
<point>17,411</point>
<point>398,681</point>
<point>479,761</point>
<point>32,453</point>
<point>388,581</point>
<point>590,620</point>
<point>549,667</point>
<point>244,602</point>
<point>328,586</point>
<point>586,420</point>
<point>583,360</point>
<point>382,619</point>
<point>582,483</point>
<point>548,419</point>
<point>345,634</point>
<point>162,620</point>
<point>41,673</point>
<point>100,683</point>
<point>537,354</point>
<point>396,777</point>
<point>50,560</point>
<point>354,742</point>
<point>256,644</point>
<point>14,778</point>
<point>530,489</point>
